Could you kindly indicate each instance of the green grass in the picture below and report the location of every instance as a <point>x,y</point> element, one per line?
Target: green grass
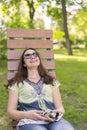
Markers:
<point>72,73</point>
<point>3,94</point>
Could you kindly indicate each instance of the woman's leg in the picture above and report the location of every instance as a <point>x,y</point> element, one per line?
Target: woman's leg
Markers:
<point>33,127</point>
<point>60,125</point>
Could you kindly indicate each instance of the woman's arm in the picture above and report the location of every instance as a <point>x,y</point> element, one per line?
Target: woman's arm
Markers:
<point>12,106</point>
<point>57,100</point>
<point>16,114</point>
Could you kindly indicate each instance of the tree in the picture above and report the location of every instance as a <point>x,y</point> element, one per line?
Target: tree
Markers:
<point>64,15</point>
<point>30,4</point>
<point>79,24</point>
<point>31,12</point>
<point>56,12</point>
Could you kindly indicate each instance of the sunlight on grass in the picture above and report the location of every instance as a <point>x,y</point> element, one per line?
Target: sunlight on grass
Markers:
<point>78,54</point>
<point>66,57</point>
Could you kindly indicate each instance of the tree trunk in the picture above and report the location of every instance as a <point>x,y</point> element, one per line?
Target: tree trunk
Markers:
<point>31,12</point>
<point>64,15</point>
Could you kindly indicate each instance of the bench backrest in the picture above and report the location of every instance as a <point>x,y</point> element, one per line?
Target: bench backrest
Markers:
<point>19,39</point>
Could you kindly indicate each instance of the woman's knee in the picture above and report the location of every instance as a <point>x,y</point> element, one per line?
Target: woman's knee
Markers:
<point>67,125</point>
<point>61,125</point>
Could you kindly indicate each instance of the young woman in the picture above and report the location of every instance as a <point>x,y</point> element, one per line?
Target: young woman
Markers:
<point>38,96</point>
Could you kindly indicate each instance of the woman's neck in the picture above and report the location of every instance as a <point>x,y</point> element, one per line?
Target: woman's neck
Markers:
<point>33,75</point>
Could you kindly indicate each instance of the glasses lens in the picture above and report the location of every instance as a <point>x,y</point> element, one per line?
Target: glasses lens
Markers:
<point>27,56</point>
<point>35,54</point>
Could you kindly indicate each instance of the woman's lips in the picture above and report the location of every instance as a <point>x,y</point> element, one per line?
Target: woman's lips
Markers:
<point>32,61</point>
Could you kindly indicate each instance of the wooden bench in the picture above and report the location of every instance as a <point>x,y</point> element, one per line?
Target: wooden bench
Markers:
<point>19,39</point>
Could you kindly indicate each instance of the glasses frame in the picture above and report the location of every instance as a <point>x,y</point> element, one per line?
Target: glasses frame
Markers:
<point>29,56</point>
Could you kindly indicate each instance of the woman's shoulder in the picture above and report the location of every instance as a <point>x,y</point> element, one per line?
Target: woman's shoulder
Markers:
<point>16,85</point>
<point>56,83</point>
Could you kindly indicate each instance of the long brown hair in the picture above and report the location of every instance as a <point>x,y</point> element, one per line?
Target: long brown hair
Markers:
<point>22,72</point>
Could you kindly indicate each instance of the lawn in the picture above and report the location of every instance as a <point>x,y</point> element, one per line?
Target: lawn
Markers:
<point>3,94</point>
<point>71,71</point>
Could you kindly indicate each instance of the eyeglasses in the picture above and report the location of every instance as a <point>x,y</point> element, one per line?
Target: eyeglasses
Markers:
<point>29,56</point>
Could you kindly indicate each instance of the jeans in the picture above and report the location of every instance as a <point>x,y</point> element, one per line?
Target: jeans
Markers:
<point>59,125</point>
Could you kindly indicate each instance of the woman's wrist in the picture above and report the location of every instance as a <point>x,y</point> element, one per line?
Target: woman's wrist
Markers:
<point>25,114</point>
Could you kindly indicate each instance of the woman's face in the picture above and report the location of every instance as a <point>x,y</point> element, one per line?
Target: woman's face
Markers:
<point>31,59</point>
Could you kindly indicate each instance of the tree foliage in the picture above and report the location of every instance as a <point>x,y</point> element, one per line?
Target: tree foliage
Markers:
<point>20,14</point>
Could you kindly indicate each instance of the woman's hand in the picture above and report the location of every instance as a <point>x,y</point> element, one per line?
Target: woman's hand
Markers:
<point>59,110</point>
<point>54,115</point>
<point>49,115</point>
<point>35,115</point>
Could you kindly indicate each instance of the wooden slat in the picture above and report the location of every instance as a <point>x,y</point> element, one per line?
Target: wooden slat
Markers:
<point>52,73</point>
<point>47,54</point>
<point>33,33</point>
<point>12,74</point>
<point>16,54</point>
<point>13,65</point>
<point>29,44</point>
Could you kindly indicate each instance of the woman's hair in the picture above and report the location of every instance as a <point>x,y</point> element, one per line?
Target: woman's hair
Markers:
<point>22,72</point>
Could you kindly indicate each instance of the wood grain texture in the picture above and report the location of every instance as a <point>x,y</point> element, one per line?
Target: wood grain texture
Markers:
<point>32,33</point>
<point>29,44</point>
